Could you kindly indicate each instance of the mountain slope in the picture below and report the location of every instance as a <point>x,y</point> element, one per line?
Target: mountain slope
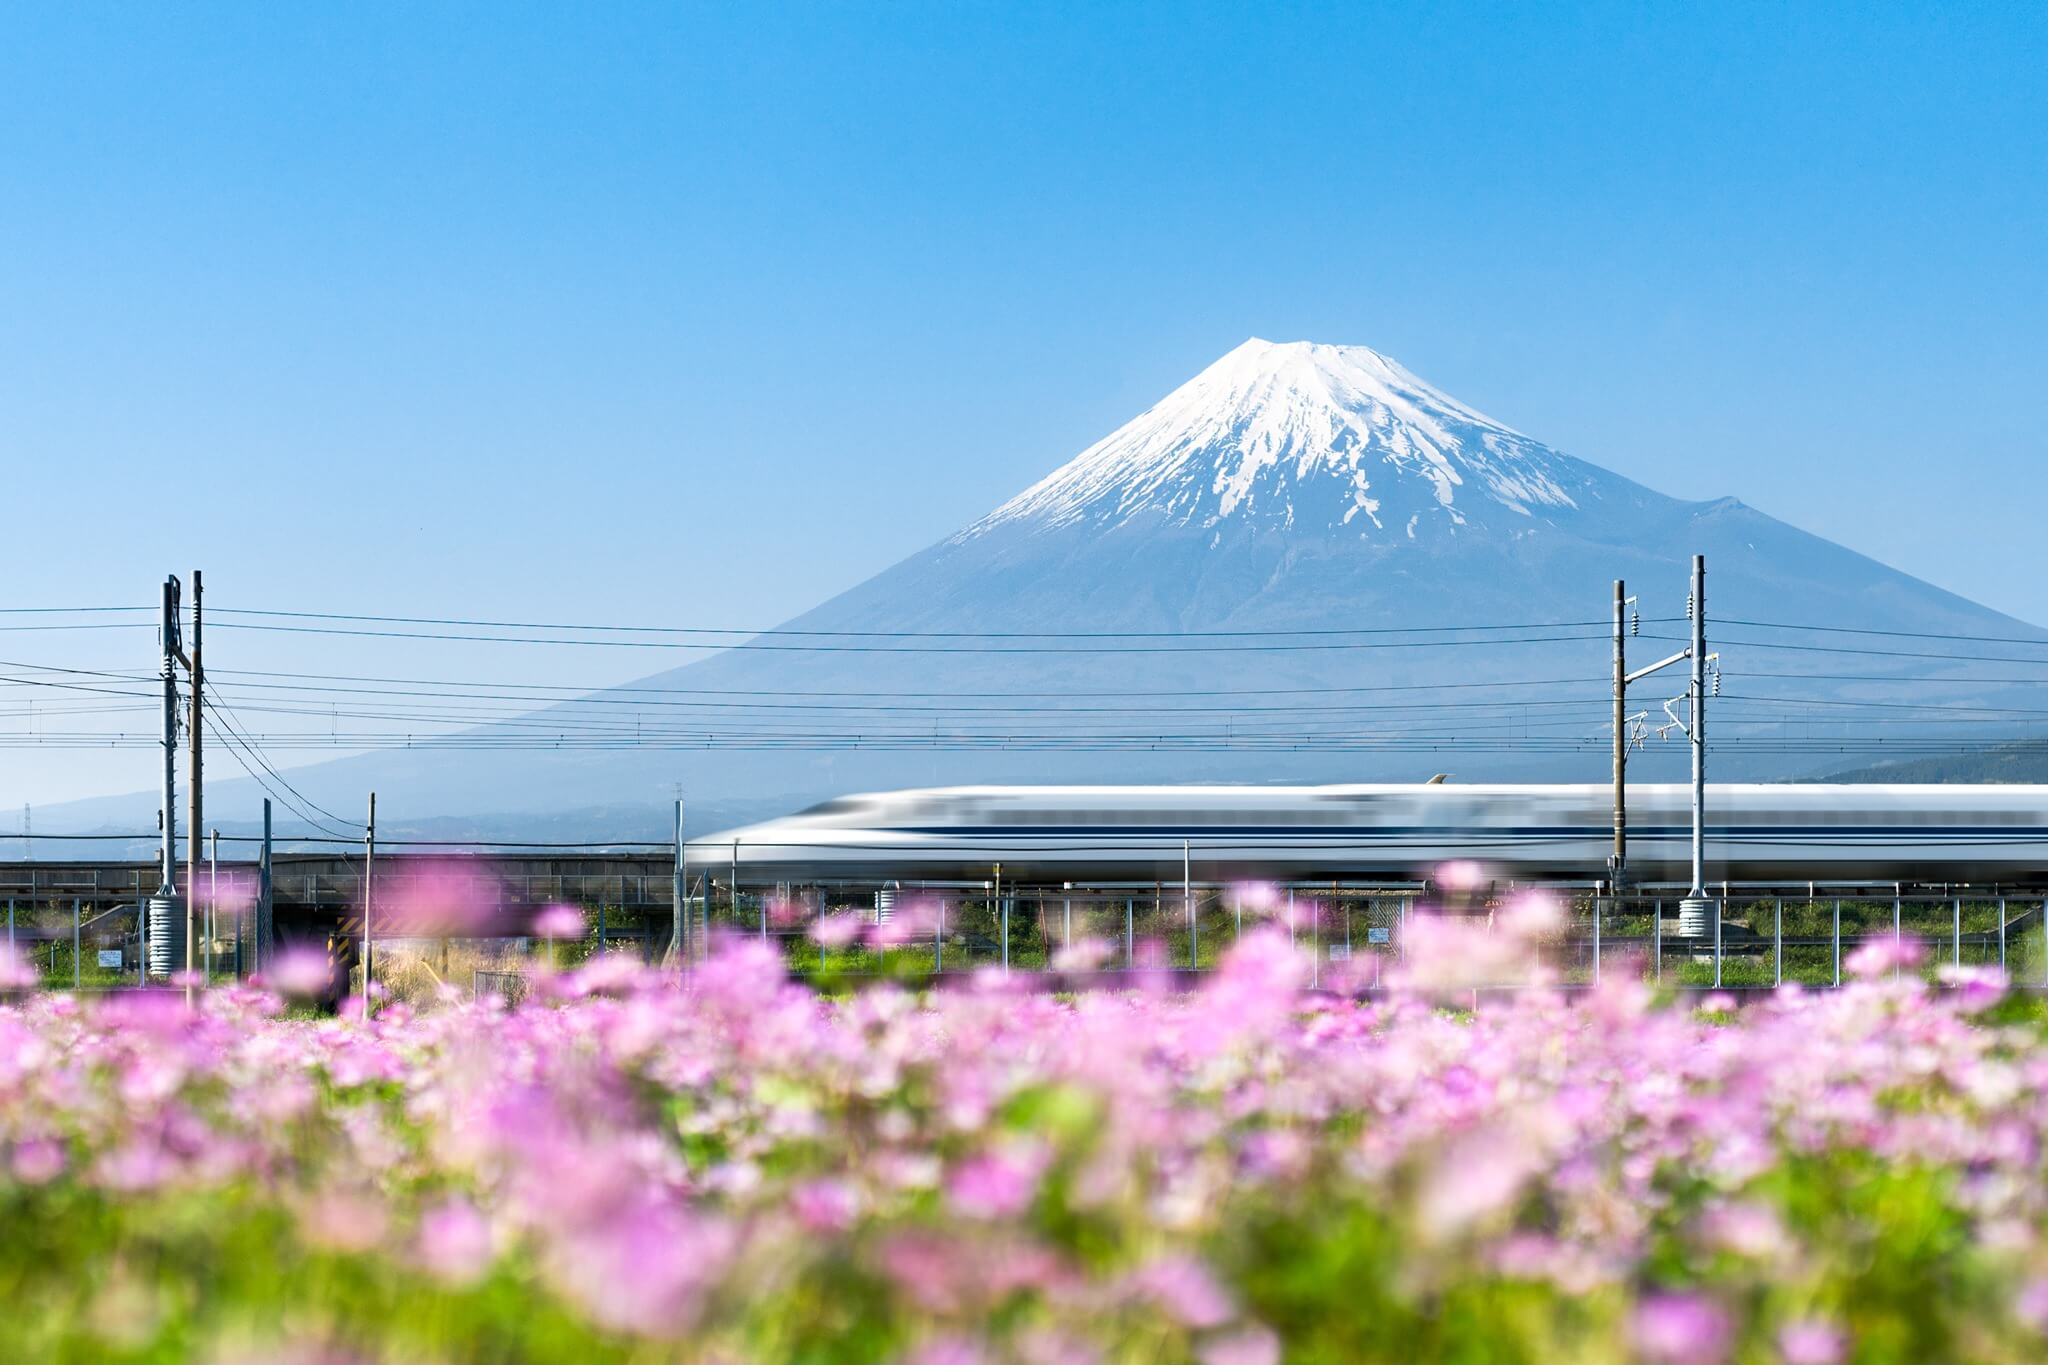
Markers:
<point>1288,487</point>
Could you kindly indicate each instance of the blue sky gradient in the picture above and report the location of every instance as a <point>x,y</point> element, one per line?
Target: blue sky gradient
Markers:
<point>699,314</point>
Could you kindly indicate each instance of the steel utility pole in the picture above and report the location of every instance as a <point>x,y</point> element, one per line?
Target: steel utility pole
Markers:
<point>259,942</point>
<point>1617,862</point>
<point>1624,626</point>
<point>1695,908</point>
<point>1696,902</point>
<point>369,871</point>
<point>167,880</point>
<point>212,897</point>
<point>678,945</point>
<point>198,779</point>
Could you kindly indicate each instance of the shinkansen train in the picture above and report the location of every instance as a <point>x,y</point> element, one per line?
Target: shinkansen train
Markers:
<point>1754,833</point>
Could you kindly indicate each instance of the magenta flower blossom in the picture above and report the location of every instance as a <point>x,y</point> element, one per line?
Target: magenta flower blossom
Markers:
<point>639,1159</point>
<point>301,971</point>
<point>1252,1346</point>
<point>455,1242</point>
<point>38,1161</point>
<point>17,972</point>
<point>1185,1289</point>
<point>1879,957</point>
<point>559,922</point>
<point>995,1185</point>
<point>837,930</point>
<point>1681,1329</point>
<point>825,1205</point>
<point>1807,1342</point>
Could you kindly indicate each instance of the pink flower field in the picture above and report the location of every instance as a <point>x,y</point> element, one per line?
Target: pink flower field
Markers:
<point>743,1169</point>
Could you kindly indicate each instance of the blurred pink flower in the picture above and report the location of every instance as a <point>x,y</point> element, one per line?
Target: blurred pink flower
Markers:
<point>825,1205</point>
<point>301,971</point>
<point>1257,897</point>
<point>38,1161</point>
<point>1252,1346</point>
<point>994,1185</point>
<point>1531,914</point>
<point>1083,955</point>
<point>1974,988</point>
<point>1808,1342</point>
<point>1461,875</point>
<point>343,1220</point>
<point>1877,957</point>
<point>837,930</point>
<point>1681,1329</point>
<point>559,922</point>
<point>1746,1228</point>
<point>1183,1287</point>
<point>2031,1304</point>
<point>1475,1175</point>
<point>948,1350</point>
<point>455,1242</point>
<point>17,973</point>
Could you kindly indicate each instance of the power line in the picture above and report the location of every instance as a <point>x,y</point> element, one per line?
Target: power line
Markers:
<point>227,718</point>
<point>747,632</point>
<point>756,643</point>
<point>1902,634</point>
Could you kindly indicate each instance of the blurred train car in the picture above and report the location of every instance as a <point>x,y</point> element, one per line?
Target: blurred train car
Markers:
<point>1755,833</point>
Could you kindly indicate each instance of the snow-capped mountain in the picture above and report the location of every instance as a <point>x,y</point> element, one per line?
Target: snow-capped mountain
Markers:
<point>1293,487</point>
<point>1300,434</point>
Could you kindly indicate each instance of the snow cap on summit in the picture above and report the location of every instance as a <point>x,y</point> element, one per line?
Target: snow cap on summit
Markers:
<point>1300,433</point>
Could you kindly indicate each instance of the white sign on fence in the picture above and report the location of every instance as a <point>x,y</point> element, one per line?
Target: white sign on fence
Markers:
<point>1378,935</point>
<point>110,957</point>
<point>1340,952</point>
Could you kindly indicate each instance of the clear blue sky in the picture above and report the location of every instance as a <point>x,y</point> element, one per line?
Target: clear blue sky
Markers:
<point>699,314</point>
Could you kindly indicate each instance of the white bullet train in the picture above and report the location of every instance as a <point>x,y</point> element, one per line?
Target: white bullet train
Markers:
<point>1755,832</point>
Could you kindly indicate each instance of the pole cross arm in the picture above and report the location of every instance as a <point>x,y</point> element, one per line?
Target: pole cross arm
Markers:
<point>1680,657</point>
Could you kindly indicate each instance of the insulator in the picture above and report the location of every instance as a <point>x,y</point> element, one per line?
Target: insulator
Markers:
<point>1717,682</point>
<point>1688,606</point>
<point>1635,623</point>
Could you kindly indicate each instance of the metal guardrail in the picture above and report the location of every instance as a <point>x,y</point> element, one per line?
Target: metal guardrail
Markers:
<point>508,986</point>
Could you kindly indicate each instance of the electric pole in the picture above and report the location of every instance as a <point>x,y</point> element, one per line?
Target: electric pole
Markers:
<point>1694,909</point>
<point>369,869</point>
<point>678,945</point>
<point>1696,906</point>
<point>259,942</point>
<point>1617,862</point>
<point>198,780</point>
<point>160,918</point>
<point>167,881</point>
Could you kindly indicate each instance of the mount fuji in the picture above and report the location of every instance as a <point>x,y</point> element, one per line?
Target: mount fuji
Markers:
<point>1293,487</point>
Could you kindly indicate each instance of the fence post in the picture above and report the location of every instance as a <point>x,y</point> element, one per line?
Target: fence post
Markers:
<point>939,940</point>
<point>1130,925</point>
<point>1956,957</point>
<point>2001,935</point>
<point>1720,908</point>
<point>1778,942</point>
<point>75,982</point>
<point>1898,927</point>
<point>1315,947</point>
<point>10,924</point>
<point>1657,940</point>
<point>1596,939</point>
<point>1838,940</point>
